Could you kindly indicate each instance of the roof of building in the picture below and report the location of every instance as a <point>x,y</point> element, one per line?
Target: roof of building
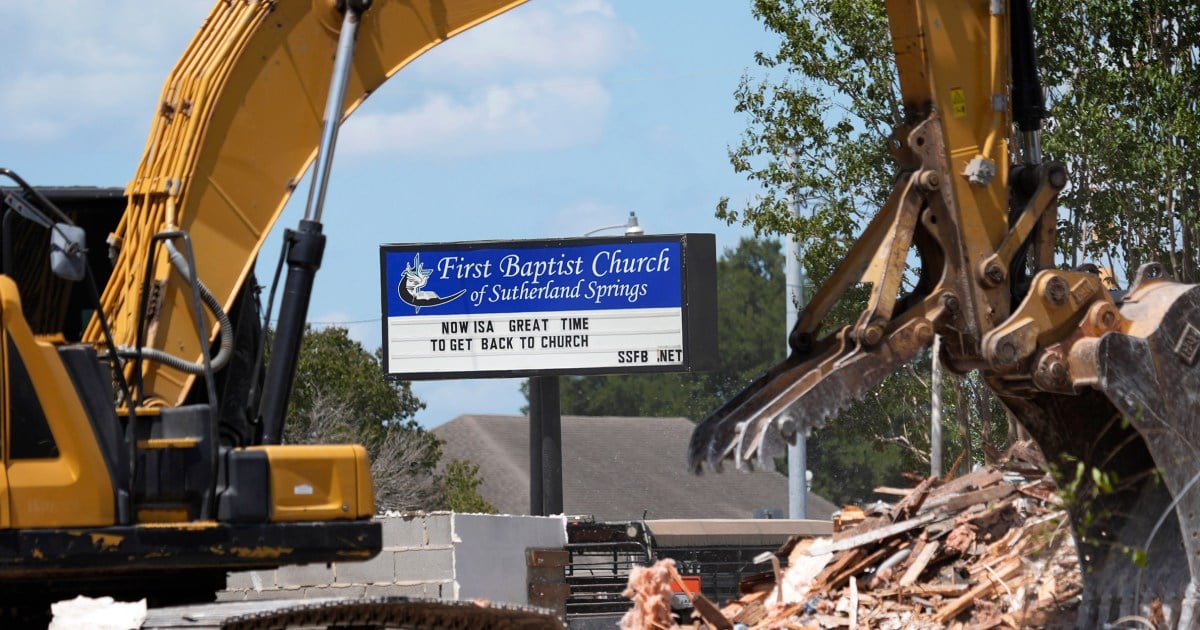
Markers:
<point>614,468</point>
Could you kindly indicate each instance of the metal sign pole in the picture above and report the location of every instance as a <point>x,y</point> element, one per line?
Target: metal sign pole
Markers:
<point>545,447</point>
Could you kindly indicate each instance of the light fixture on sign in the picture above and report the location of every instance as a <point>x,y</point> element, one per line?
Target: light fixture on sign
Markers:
<point>631,227</point>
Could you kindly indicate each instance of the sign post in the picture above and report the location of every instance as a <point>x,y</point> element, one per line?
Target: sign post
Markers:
<point>545,447</point>
<point>493,309</point>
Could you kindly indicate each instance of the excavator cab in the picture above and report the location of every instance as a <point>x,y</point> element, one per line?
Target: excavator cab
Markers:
<point>98,496</point>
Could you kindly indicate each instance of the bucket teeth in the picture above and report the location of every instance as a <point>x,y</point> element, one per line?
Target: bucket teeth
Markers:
<point>797,396</point>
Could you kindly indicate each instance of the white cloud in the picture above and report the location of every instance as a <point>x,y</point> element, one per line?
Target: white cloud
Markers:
<point>531,116</point>
<point>529,80</point>
<point>80,64</point>
<point>600,7</point>
<point>539,39</point>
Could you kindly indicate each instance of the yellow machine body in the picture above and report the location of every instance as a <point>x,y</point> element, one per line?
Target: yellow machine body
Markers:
<point>319,482</point>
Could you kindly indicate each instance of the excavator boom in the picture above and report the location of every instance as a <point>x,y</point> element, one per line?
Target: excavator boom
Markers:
<point>1104,381</point>
<point>238,123</point>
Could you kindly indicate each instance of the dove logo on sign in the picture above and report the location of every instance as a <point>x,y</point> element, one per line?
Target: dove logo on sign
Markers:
<point>412,287</point>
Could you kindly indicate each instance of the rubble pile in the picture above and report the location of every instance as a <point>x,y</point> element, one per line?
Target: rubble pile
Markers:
<point>991,549</point>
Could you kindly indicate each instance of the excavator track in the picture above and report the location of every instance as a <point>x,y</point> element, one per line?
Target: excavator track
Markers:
<point>383,612</point>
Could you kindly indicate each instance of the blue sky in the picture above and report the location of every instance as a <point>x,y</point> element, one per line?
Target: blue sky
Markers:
<point>557,118</point>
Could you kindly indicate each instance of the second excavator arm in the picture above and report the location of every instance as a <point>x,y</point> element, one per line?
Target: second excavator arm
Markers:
<point>952,72</point>
<point>1101,379</point>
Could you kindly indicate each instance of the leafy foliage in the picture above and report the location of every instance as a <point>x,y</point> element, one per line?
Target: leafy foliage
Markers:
<point>818,124</point>
<point>461,487</point>
<point>816,132</point>
<point>1124,100</point>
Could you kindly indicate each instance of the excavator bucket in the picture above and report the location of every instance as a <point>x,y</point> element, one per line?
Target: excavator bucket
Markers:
<point>1128,448</point>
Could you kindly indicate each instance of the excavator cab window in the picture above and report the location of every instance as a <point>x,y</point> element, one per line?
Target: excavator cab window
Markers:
<point>30,435</point>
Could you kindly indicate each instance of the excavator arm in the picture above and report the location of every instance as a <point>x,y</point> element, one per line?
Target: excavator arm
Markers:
<point>953,60</point>
<point>1106,382</point>
<point>238,123</point>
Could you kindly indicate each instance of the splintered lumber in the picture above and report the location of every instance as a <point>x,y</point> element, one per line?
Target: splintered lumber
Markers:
<point>978,497</point>
<point>920,560</point>
<point>990,584</point>
<point>875,535</point>
<point>910,504</point>
<point>846,574</point>
<point>990,549</point>
<point>926,590</point>
<point>711,615</point>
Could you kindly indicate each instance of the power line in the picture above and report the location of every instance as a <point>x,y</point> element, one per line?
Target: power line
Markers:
<point>337,323</point>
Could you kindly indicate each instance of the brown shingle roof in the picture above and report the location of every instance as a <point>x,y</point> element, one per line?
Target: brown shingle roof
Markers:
<point>614,468</point>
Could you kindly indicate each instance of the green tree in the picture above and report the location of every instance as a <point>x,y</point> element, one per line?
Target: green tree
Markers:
<point>817,125</point>
<point>461,487</point>
<point>341,396</point>
<point>1127,123</point>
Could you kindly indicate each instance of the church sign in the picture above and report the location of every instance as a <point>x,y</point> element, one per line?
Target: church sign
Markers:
<point>549,307</point>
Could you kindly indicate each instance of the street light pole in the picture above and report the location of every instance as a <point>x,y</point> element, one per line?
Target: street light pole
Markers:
<point>545,425</point>
<point>798,451</point>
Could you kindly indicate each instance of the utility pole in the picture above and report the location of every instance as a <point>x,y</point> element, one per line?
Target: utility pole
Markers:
<point>794,296</point>
<point>935,412</point>
<point>798,452</point>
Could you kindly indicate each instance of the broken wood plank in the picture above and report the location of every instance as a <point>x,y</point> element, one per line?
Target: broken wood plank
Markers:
<point>837,579</point>
<point>880,533</point>
<point>853,603</point>
<point>911,504</point>
<point>925,590</point>
<point>984,588</point>
<point>981,478</point>
<point>920,560</point>
<point>709,612</point>
<point>982,496</point>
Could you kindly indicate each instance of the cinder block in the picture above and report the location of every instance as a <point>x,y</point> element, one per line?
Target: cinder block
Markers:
<point>439,590</point>
<point>304,575</point>
<point>380,569</point>
<point>424,565</point>
<point>250,580</point>
<point>396,590</point>
<point>285,593</point>
<point>231,596</point>
<point>352,591</point>
<point>438,529</point>
<point>403,531</point>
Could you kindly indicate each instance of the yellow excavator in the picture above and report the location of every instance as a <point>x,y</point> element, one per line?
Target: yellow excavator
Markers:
<point>1104,379</point>
<point>140,429</point>
<point>140,444</point>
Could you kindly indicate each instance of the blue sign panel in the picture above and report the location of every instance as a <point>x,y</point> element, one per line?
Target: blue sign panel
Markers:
<point>570,277</point>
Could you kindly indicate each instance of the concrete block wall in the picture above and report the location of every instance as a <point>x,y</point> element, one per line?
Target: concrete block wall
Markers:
<point>436,555</point>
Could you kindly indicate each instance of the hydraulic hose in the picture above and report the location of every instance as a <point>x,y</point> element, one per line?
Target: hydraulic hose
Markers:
<point>224,324</point>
